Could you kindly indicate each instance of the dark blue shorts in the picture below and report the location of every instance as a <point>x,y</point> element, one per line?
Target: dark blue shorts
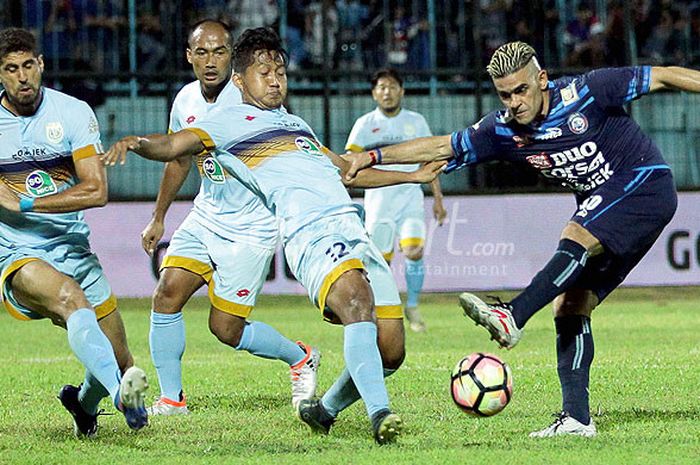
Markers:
<point>627,215</point>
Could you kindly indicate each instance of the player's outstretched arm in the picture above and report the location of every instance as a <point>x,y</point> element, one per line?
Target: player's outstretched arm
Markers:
<point>371,177</point>
<point>159,147</point>
<point>421,150</point>
<point>90,191</point>
<point>674,78</point>
<point>174,176</point>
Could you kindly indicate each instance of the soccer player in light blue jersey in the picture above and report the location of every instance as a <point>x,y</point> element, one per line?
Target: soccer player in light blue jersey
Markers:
<point>278,157</point>
<point>49,172</point>
<point>227,242</point>
<point>575,130</point>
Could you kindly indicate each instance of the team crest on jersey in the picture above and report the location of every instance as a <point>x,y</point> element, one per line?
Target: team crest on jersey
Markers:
<point>40,184</point>
<point>569,94</point>
<point>213,171</point>
<point>540,161</point>
<point>54,132</point>
<point>409,130</point>
<point>308,146</point>
<point>578,123</point>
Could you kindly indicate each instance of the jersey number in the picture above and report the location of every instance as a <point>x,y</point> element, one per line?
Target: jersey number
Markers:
<point>337,251</point>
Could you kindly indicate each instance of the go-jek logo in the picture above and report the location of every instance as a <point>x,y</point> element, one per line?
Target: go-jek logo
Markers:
<point>213,170</point>
<point>40,184</point>
<point>308,146</point>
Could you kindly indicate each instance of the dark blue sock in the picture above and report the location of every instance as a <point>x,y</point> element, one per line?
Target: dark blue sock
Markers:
<point>556,277</point>
<point>574,358</point>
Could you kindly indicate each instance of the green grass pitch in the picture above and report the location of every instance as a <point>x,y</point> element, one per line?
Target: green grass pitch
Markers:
<point>645,393</point>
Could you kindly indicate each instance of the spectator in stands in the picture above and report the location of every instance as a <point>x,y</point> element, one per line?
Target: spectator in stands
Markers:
<point>373,44</point>
<point>321,16</point>
<point>296,27</point>
<point>578,29</point>
<point>59,35</point>
<point>248,14</point>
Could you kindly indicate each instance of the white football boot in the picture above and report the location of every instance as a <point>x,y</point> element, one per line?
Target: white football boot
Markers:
<point>304,375</point>
<point>496,318</point>
<point>564,424</point>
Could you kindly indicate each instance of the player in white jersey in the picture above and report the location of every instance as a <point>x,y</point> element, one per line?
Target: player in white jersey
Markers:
<point>49,173</point>
<point>277,156</point>
<point>396,211</point>
<point>227,241</point>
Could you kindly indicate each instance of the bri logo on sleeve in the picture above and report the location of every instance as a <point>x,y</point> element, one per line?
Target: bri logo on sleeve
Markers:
<point>40,184</point>
<point>213,170</point>
<point>308,146</point>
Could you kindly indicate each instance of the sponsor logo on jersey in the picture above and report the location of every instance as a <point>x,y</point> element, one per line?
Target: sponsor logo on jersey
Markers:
<point>578,123</point>
<point>54,132</point>
<point>213,170</point>
<point>190,119</point>
<point>549,134</point>
<point>243,293</point>
<point>308,146</point>
<point>582,168</point>
<point>40,184</point>
<point>250,118</point>
<point>409,130</point>
<point>569,94</point>
<point>540,161</point>
<point>38,153</point>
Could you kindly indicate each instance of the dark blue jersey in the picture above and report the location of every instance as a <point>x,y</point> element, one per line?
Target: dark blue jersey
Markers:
<point>586,139</point>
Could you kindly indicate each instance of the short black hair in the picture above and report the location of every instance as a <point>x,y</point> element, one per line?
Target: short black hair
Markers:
<point>386,73</point>
<point>15,39</point>
<point>252,40</point>
<point>223,24</point>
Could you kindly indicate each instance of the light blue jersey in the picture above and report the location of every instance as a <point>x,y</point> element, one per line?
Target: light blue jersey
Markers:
<point>223,204</point>
<point>277,156</point>
<point>37,155</point>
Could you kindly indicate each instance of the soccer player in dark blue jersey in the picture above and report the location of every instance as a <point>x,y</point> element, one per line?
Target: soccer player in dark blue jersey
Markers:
<point>574,130</point>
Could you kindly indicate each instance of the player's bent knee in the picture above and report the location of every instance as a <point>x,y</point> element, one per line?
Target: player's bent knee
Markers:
<point>413,252</point>
<point>575,302</point>
<point>228,329</point>
<point>350,298</point>
<point>173,291</point>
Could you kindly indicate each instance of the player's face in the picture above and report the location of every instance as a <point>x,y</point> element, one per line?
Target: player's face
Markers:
<point>20,75</point>
<point>523,93</point>
<point>388,94</point>
<point>264,82</point>
<point>210,56</point>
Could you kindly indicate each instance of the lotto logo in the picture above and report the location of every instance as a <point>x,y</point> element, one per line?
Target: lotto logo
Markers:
<point>243,293</point>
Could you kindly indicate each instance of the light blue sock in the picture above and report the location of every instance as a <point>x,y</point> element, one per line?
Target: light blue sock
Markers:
<point>415,273</point>
<point>167,341</point>
<point>91,393</point>
<point>93,349</point>
<point>343,393</point>
<point>264,341</point>
<point>364,364</point>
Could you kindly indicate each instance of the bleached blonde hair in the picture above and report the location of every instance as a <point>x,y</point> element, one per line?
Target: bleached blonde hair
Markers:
<point>509,58</point>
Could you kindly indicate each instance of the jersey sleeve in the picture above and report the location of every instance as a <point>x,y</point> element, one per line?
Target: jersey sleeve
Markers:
<point>423,128</point>
<point>355,142</point>
<point>84,132</point>
<point>175,122</point>
<point>475,144</point>
<point>614,87</point>
<point>212,131</point>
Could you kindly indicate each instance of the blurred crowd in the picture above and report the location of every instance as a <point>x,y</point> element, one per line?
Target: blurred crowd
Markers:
<point>94,35</point>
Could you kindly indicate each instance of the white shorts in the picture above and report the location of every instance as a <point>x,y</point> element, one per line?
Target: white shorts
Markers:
<point>234,271</point>
<point>395,213</point>
<point>319,253</point>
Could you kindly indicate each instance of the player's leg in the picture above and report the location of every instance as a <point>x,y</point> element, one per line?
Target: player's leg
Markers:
<point>38,286</point>
<point>233,290</point>
<point>411,241</point>
<point>185,268</point>
<point>575,350</point>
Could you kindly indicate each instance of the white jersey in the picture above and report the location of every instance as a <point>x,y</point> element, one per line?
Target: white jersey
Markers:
<point>223,204</point>
<point>375,129</point>
<point>278,157</point>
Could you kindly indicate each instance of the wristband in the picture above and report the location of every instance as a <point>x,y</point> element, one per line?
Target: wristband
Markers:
<point>376,156</point>
<point>26,204</point>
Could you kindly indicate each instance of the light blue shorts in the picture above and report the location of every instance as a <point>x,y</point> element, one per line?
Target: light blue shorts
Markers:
<point>235,271</point>
<point>319,253</point>
<point>72,258</point>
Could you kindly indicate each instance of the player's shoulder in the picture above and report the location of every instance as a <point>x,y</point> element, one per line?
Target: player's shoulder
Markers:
<point>188,92</point>
<point>367,118</point>
<point>412,114</point>
<point>63,101</point>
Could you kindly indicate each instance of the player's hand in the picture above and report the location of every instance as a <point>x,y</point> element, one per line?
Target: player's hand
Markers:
<point>357,161</point>
<point>429,171</point>
<point>151,235</point>
<point>117,152</point>
<point>439,211</point>
<point>8,199</point>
